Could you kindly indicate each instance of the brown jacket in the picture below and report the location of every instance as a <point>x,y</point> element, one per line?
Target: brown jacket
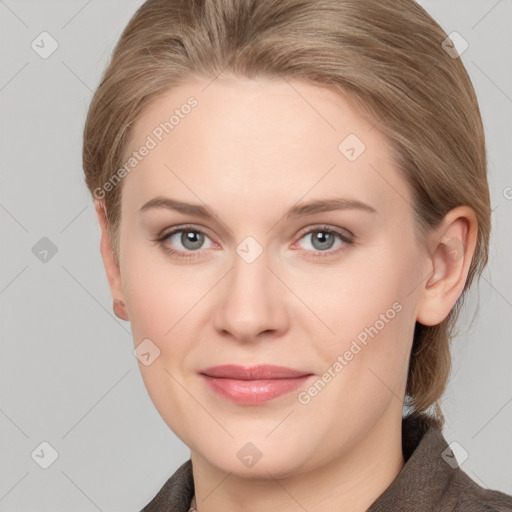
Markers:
<point>429,481</point>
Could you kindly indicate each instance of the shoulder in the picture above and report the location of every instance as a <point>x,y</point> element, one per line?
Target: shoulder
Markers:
<point>431,478</point>
<point>459,492</point>
<point>468,496</point>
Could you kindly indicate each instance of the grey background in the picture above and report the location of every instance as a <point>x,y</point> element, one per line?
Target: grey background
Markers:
<point>67,371</point>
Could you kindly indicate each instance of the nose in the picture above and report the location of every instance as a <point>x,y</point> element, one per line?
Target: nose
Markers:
<point>252,304</point>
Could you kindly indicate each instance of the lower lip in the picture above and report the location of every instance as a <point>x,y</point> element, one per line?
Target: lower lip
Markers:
<point>253,392</point>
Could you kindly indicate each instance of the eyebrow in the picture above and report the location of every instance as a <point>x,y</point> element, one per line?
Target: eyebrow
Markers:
<point>298,210</point>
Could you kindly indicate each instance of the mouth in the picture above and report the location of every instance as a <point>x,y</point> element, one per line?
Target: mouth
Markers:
<point>253,385</point>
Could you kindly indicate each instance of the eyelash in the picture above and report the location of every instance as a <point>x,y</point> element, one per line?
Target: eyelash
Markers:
<point>347,241</point>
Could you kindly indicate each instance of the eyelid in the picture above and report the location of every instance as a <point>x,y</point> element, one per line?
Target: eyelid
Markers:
<point>182,227</point>
<point>342,232</point>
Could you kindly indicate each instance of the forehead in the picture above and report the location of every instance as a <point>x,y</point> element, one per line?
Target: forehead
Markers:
<point>263,139</point>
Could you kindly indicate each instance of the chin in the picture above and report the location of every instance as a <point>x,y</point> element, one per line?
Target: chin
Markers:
<point>248,459</point>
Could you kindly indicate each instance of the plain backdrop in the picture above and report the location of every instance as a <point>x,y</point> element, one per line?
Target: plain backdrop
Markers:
<point>68,376</point>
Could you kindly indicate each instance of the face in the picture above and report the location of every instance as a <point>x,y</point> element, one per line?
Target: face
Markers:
<point>300,252</point>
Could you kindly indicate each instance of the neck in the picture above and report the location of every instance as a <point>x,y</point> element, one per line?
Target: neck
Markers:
<point>347,483</point>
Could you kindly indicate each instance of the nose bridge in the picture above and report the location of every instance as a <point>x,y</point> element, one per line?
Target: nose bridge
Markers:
<point>251,301</point>
<point>250,275</point>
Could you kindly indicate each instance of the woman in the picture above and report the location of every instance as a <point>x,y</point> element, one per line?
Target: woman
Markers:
<point>293,203</point>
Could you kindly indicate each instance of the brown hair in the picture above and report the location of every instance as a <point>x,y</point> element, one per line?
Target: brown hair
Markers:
<point>387,57</point>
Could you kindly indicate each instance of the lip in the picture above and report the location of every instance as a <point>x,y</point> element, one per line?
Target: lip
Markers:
<point>258,372</point>
<point>252,385</point>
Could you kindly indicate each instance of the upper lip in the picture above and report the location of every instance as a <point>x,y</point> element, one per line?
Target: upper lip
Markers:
<point>262,371</point>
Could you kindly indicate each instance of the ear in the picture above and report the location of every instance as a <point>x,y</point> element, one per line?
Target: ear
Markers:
<point>452,246</point>
<point>110,263</point>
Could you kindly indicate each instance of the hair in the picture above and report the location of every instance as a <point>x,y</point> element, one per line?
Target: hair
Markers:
<point>386,57</point>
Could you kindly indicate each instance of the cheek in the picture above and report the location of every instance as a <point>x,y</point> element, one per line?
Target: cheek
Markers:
<point>160,305</point>
<point>371,310</point>
<point>158,293</point>
<point>155,304</point>
<point>354,295</point>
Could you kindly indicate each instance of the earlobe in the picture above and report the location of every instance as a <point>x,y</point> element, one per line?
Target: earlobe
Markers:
<point>110,263</point>
<point>119,309</point>
<point>453,244</point>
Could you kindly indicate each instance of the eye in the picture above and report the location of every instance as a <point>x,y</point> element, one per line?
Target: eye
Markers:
<point>187,239</point>
<point>322,239</point>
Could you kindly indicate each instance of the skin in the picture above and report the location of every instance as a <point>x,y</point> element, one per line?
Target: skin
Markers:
<point>250,150</point>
